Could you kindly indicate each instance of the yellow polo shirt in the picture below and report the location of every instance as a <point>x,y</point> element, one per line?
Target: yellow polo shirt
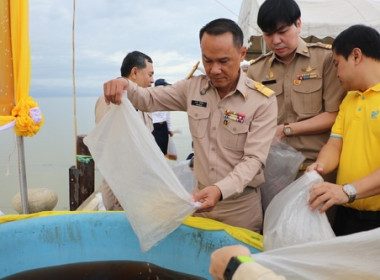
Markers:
<point>358,124</point>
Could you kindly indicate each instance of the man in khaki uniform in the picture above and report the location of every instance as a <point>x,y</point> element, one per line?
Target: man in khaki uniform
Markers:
<point>303,77</point>
<point>137,67</point>
<point>232,120</point>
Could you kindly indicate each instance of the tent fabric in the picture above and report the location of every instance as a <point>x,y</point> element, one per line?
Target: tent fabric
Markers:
<point>25,116</point>
<point>320,18</point>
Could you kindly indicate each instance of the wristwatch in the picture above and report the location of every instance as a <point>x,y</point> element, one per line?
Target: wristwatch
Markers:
<point>233,265</point>
<point>287,129</point>
<point>350,191</point>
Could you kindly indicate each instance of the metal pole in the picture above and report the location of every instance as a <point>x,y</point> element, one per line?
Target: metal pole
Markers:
<point>22,175</point>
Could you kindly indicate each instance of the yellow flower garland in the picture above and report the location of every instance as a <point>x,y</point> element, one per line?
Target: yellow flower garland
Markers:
<point>25,124</point>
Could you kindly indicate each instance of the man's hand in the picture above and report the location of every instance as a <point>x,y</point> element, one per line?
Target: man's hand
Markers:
<point>280,132</point>
<point>113,90</point>
<point>315,166</point>
<point>327,195</point>
<point>221,257</point>
<point>208,197</point>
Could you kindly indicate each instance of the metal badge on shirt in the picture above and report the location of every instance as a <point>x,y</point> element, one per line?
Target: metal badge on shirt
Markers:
<point>269,79</point>
<point>233,116</point>
<point>305,76</point>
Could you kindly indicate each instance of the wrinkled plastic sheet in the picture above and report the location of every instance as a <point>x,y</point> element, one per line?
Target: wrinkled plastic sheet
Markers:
<point>289,220</point>
<point>280,170</point>
<point>300,244</point>
<point>349,257</point>
<point>129,159</point>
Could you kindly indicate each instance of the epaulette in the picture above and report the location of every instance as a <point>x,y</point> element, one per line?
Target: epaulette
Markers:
<point>259,87</point>
<point>320,45</point>
<point>253,61</point>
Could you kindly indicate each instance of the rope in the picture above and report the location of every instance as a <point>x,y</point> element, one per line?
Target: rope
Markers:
<point>74,86</point>
<point>228,9</point>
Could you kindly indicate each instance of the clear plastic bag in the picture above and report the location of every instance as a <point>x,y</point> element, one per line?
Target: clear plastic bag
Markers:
<point>129,159</point>
<point>289,220</point>
<point>185,175</point>
<point>280,170</point>
<point>351,257</point>
<point>300,244</point>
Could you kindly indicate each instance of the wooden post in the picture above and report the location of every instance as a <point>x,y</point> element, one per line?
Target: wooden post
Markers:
<point>82,177</point>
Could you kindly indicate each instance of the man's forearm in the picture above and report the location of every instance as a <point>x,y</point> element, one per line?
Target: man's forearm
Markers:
<point>317,124</point>
<point>329,155</point>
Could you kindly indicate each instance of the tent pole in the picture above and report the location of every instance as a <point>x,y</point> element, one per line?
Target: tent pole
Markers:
<point>22,175</point>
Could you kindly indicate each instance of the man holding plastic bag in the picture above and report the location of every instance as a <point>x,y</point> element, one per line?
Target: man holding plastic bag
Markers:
<point>232,120</point>
<point>354,144</point>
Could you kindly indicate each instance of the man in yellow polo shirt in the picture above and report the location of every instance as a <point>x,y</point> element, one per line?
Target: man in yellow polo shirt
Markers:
<point>354,143</point>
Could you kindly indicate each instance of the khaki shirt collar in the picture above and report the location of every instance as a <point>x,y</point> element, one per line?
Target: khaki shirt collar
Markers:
<point>240,87</point>
<point>302,49</point>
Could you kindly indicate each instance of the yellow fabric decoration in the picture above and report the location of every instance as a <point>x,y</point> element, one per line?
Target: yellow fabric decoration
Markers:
<point>246,236</point>
<point>18,30</point>
<point>25,124</point>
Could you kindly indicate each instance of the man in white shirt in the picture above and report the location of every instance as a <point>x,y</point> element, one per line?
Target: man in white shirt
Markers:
<point>162,124</point>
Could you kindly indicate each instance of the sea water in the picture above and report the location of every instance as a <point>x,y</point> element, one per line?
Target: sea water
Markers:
<point>52,151</point>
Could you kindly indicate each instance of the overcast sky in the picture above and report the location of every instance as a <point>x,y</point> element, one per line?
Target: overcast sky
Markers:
<point>106,30</point>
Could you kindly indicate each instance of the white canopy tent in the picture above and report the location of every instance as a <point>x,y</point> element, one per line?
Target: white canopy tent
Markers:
<point>320,18</point>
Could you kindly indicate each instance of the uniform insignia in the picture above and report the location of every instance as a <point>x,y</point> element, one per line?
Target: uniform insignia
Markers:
<point>263,89</point>
<point>229,115</point>
<point>296,82</point>
<point>204,89</point>
<point>269,79</point>
<point>321,45</point>
<point>308,69</point>
<point>199,103</point>
<point>308,76</point>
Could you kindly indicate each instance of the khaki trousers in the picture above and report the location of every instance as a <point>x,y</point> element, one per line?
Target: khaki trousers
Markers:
<point>244,210</point>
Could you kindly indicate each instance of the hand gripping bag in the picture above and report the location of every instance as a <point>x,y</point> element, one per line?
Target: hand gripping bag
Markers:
<point>129,159</point>
<point>289,220</point>
<point>300,244</point>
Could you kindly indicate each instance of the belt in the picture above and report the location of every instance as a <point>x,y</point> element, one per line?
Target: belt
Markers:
<point>363,215</point>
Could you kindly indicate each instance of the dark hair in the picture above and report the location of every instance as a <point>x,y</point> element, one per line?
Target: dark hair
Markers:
<point>366,38</point>
<point>274,12</point>
<point>134,59</point>
<point>222,25</point>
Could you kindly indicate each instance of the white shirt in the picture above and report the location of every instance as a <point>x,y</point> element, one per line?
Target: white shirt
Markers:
<point>162,116</point>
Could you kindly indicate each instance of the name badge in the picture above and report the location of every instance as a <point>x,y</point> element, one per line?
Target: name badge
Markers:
<point>199,103</point>
<point>268,82</point>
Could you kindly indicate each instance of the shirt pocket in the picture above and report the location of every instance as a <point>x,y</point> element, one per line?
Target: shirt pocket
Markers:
<point>307,98</point>
<point>234,135</point>
<point>198,121</point>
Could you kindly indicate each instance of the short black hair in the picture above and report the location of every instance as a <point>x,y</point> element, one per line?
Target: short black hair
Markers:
<point>366,38</point>
<point>274,12</point>
<point>134,59</point>
<point>222,25</point>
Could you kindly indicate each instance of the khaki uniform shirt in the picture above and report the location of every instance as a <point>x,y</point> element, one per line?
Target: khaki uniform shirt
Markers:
<point>231,136</point>
<point>308,86</point>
